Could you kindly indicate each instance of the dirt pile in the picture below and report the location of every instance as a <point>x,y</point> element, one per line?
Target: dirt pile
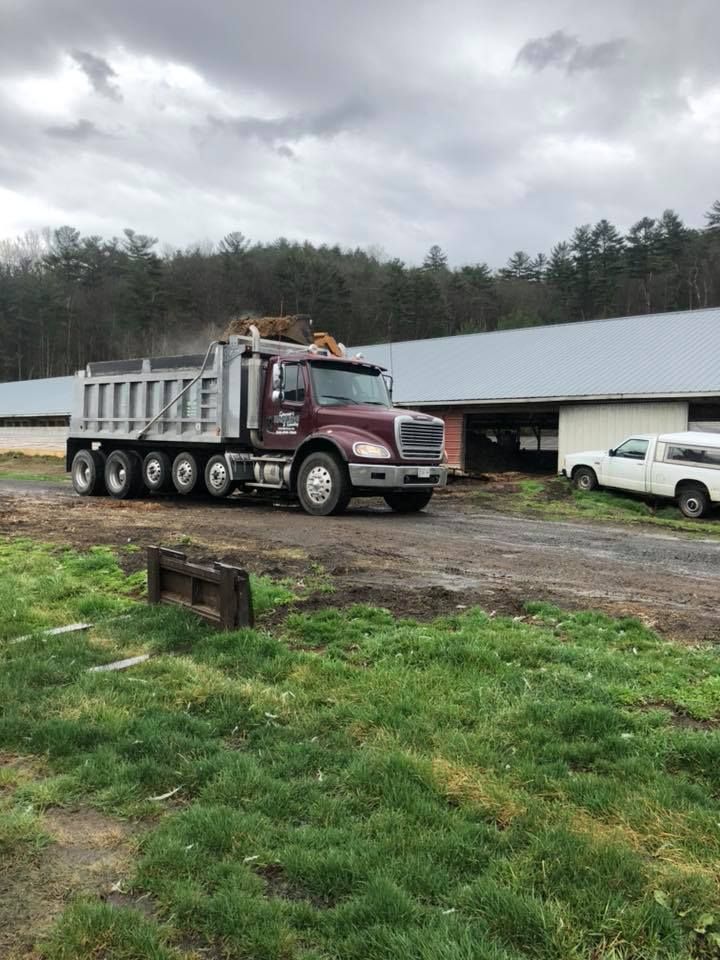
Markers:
<point>296,328</point>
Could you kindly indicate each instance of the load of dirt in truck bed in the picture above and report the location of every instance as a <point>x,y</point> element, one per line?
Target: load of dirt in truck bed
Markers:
<point>296,328</point>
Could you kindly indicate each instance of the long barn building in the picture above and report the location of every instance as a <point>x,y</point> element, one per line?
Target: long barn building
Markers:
<point>527,396</point>
<point>510,399</point>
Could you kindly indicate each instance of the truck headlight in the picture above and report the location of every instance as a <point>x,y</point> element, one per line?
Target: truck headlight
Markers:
<point>371,451</point>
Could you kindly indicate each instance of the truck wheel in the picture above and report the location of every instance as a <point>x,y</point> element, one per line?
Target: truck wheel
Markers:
<point>123,474</point>
<point>693,502</point>
<point>88,473</point>
<point>218,478</point>
<point>157,471</point>
<point>185,473</point>
<point>585,479</point>
<point>323,485</point>
<point>409,502</point>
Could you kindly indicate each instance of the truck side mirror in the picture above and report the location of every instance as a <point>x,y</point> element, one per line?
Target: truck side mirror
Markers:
<point>611,452</point>
<point>388,383</point>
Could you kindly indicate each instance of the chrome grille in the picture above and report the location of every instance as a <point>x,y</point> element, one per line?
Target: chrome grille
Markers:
<point>420,439</point>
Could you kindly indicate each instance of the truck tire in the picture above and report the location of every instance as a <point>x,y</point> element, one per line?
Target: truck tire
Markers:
<point>88,473</point>
<point>218,478</point>
<point>157,471</point>
<point>323,485</point>
<point>585,479</point>
<point>185,473</point>
<point>123,474</point>
<point>694,502</point>
<point>410,502</point>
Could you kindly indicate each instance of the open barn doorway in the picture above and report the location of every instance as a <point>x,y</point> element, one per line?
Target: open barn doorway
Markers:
<point>523,440</point>
<point>705,416</point>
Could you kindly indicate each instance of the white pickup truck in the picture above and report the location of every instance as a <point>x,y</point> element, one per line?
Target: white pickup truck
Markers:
<point>680,466</point>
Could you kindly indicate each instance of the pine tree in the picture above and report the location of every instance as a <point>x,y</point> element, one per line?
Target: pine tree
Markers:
<point>396,303</point>
<point>560,275</point>
<point>435,259</point>
<point>607,267</point>
<point>642,262</point>
<point>538,268</point>
<point>713,217</point>
<point>431,292</point>
<point>518,267</point>
<point>473,299</point>
<point>143,300</point>
<point>583,250</point>
<point>673,237</point>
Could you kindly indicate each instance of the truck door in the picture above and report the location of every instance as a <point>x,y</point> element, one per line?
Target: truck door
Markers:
<point>286,406</point>
<point>627,468</point>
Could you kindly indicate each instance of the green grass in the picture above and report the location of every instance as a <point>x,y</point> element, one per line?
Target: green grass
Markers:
<point>557,499</point>
<point>21,466</point>
<point>366,788</point>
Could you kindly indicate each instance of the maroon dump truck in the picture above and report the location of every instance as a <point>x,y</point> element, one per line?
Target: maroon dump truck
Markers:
<point>254,414</point>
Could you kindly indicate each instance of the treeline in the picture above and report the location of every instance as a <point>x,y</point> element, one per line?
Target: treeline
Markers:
<point>66,299</point>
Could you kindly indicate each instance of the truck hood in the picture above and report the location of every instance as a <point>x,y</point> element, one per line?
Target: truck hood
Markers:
<point>366,421</point>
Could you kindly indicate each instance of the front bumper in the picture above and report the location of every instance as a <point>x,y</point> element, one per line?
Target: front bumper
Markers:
<point>394,477</point>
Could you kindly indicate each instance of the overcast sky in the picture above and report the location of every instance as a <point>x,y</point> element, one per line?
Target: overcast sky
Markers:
<point>481,126</point>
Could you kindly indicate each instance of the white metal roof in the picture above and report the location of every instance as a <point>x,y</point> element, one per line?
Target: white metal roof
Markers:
<point>652,356</point>
<point>51,397</point>
<point>649,356</point>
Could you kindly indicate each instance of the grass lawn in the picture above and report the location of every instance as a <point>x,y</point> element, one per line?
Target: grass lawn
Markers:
<point>353,786</point>
<point>557,499</point>
<point>21,466</point>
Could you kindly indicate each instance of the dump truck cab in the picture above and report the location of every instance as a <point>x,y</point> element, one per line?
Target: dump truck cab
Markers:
<point>341,407</point>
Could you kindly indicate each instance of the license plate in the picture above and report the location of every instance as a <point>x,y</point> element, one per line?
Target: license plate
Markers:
<point>423,472</point>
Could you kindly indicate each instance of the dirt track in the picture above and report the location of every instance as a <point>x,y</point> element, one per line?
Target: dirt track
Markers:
<point>417,565</point>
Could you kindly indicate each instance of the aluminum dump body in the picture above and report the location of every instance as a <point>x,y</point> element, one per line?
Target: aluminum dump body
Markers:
<point>116,400</point>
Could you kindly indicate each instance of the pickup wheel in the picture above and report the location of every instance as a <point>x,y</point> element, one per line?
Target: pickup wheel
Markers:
<point>218,478</point>
<point>323,485</point>
<point>123,474</point>
<point>88,473</point>
<point>410,502</point>
<point>185,473</point>
<point>157,471</point>
<point>585,479</point>
<point>694,502</point>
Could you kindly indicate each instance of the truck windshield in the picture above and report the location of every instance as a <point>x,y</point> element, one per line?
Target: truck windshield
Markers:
<point>337,384</point>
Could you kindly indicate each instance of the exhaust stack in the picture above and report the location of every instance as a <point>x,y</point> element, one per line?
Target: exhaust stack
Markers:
<point>254,388</point>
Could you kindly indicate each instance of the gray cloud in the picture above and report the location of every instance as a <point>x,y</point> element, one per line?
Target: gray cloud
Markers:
<point>99,73</point>
<point>597,56</point>
<point>277,131</point>
<point>555,49</point>
<point>79,131</point>
<point>561,49</point>
<point>413,127</point>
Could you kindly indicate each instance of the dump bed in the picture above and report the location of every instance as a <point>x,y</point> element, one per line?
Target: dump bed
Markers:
<point>118,399</point>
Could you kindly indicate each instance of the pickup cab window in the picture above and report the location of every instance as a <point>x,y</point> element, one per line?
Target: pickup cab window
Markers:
<point>702,456</point>
<point>632,449</point>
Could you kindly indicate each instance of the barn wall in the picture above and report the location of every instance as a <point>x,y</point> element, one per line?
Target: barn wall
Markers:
<point>599,426</point>
<point>34,439</point>
<point>454,438</point>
